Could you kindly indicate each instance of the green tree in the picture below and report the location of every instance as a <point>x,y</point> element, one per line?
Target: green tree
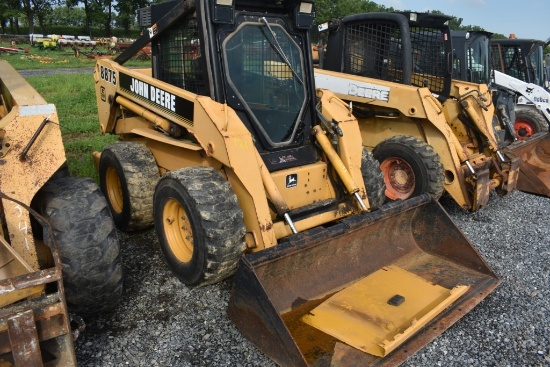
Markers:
<point>127,10</point>
<point>66,16</point>
<point>328,9</point>
<point>9,14</point>
<point>98,13</point>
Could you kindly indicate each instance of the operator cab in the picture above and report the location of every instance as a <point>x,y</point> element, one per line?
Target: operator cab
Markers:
<point>258,65</point>
<point>471,56</point>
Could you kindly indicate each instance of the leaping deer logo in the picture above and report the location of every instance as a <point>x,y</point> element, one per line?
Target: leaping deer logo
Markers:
<point>291,180</point>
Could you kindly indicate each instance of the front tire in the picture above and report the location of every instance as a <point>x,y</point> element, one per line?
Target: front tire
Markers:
<point>199,224</point>
<point>410,167</point>
<point>529,121</point>
<point>373,179</point>
<point>128,174</point>
<point>88,243</point>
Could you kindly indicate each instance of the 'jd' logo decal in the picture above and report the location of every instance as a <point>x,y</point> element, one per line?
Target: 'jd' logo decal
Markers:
<point>291,180</point>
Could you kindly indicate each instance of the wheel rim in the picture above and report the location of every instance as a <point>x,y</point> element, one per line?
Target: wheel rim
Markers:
<point>524,129</point>
<point>114,189</point>
<point>177,229</point>
<point>399,178</point>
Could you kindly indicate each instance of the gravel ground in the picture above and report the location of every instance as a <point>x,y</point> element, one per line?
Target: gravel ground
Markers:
<point>163,323</point>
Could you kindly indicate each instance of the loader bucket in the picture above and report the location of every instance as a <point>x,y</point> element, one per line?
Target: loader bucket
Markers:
<point>534,171</point>
<point>370,290</point>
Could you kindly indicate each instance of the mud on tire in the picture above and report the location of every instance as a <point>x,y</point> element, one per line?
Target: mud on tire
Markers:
<point>88,243</point>
<point>199,224</point>
<point>422,171</point>
<point>128,174</point>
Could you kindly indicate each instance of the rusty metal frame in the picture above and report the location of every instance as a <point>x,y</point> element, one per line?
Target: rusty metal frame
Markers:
<point>37,330</point>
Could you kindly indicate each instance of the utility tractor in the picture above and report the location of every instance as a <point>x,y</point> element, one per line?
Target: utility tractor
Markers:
<point>58,243</point>
<point>522,108</point>
<point>246,169</point>
<point>430,133</point>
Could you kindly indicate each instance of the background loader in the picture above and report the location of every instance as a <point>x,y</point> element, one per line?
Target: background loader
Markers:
<point>430,133</point>
<point>518,66</point>
<point>522,108</point>
<point>244,167</point>
<point>59,245</point>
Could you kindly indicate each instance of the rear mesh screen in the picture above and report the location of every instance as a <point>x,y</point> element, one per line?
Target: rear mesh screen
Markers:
<point>429,69</point>
<point>179,58</point>
<point>507,59</point>
<point>374,51</point>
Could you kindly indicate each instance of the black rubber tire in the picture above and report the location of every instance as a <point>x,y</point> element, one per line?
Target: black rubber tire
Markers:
<point>216,224</point>
<point>423,160</point>
<point>132,168</point>
<point>530,116</point>
<point>373,179</point>
<point>88,243</point>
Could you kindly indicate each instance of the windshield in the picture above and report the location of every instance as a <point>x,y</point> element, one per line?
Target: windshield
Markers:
<point>265,68</point>
<point>478,60</point>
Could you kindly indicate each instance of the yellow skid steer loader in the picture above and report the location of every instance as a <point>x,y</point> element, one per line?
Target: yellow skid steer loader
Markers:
<point>523,108</point>
<point>430,133</point>
<point>245,168</point>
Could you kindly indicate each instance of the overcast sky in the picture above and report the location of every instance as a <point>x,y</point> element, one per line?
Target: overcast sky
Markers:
<point>524,18</point>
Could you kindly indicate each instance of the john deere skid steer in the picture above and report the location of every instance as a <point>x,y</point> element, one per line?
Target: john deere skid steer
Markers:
<point>430,133</point>
<point>58,243</point>
<point>522,108</point>
<point>244,168</point>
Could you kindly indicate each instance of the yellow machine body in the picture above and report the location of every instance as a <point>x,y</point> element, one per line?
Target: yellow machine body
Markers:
<point>31,152</point>
<point>412,111</point>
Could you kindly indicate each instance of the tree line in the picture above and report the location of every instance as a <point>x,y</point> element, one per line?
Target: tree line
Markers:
<point>40,15</point>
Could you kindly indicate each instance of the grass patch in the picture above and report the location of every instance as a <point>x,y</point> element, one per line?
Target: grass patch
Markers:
<point>38,58</point>
<point>75,100</point>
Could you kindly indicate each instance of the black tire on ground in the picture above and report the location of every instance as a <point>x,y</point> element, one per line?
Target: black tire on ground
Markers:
<point>410,167</point>
<point>373,179</point>
<point>199,224</point>
<point>529,121</point>
<point>128,174</point>
<point>88,243</point>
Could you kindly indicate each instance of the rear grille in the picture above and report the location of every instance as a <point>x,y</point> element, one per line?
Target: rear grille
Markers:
<point>179,58</point>
<point>374,51</point>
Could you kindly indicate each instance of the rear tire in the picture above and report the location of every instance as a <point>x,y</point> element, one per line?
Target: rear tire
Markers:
<point>373,179</point>
<point>410,167</point>
<point>88,243</point>
<point>128,174</point>
<point>529,121</point>
<point>199,224</point>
